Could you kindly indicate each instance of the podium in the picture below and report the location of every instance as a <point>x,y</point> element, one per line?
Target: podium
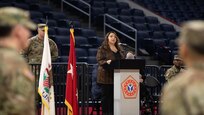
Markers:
<point>126,86</point>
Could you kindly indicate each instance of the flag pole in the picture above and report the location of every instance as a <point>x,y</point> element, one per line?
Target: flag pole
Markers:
<point>71,25</point>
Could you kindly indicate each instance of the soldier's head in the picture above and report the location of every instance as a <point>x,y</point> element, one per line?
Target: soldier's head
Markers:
<point>41,31</point>
<point>15,25</point>
<point>191,42</point>
<point>178,62</point>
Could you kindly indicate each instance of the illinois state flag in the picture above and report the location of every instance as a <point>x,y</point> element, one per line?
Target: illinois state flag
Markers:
<point>71,98</point>
<point>45,87</point>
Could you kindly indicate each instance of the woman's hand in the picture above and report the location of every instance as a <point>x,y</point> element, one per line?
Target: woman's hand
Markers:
<point>109,61</point>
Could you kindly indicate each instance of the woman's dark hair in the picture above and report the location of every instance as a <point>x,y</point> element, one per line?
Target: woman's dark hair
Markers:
<point>5,31</point>
<point>105,42</point>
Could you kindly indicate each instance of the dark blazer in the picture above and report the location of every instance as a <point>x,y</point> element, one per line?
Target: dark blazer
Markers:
<point>105,74</point>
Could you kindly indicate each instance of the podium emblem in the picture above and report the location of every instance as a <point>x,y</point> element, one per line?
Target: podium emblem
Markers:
<point>130,88</point>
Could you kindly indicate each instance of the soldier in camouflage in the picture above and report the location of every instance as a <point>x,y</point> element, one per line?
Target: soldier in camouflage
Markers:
<point>184,94</point>
<point>34,51</point>
<point>175,69</point>
<point>16,81</point>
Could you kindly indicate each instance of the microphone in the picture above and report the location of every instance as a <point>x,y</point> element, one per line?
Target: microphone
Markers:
<point>122,44</point>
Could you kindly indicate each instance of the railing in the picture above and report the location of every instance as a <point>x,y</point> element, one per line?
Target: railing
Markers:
<point>77,8</point>
<point>59,82</point>
<point>106,24</point>
<point>84,72</point>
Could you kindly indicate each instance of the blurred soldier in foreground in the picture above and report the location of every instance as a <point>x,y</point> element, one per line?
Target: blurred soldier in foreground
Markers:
<point>184,94</point>
<point>175,69</point>
<point>34,51</point>
<point>16,81</point>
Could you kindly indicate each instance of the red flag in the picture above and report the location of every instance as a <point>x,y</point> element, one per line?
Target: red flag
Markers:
<point>71,97</point>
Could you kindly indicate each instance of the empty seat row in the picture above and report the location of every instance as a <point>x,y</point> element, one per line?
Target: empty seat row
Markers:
<point>64,23</point>
<point>176,10</point>
<point>120,5</point>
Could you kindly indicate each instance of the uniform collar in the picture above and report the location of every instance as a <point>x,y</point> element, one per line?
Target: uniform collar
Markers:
<point>39,39</point>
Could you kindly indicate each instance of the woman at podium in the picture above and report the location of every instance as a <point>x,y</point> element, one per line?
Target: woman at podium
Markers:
<point>109,51</point>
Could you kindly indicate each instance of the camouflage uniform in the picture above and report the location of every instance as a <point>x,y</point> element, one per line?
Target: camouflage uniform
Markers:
<point>35,50</point>
<point>184,94</point>
<point>16,84</point>
<point>16,81</point>
<point>172,72</point>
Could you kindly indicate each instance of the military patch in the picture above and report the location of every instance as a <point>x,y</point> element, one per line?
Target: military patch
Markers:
<point>130,88</point>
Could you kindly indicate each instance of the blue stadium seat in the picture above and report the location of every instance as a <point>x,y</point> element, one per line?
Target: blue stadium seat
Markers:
<point>62,40</point>
<point>63,59</point>
<point>62,31</point>
<point>141,35</point>
<point>158,35</point>
<point>184,8</point>
<point>51,32</point>
<point>81,5</point>
<point>63,43</point>
<point>159,43</point>
<point>126,29</point>
<point>173,45</point>
<point>96,12</point>
<point>139,20</point>
<point>98,4</point>
<point>112,11</point>
<point>50,23</point>
<point>5,4</point>
<point>66,23</point>
<point>154,27</point>
<point>21,5</point>
<point>40,7</point>
<point>55,15</point>
<point>92,60</point>
<point>88,33</point>
<point>82,42</point>
<point>123,5</point>
<point>100,40</point>
<point>125,12</point>
<point>176,10</point>
<point>95,41</point>
<point>36,15</point>
<point>171,35</point>
<point>81,54</point>
<point>110,5</point>
<point>141,27</point>
<point>92,51</point>
<point>126,19</point>
<point>110,20</point>
<point>152,20</point>
<point>167,27</point>
<point>137,12</point>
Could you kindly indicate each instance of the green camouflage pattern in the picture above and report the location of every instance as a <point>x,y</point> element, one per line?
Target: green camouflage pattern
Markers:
<point>34,52</point>
<point>10,16</point>
<point>172,72</point>
<point>16,84</point>
<point>184,95</point>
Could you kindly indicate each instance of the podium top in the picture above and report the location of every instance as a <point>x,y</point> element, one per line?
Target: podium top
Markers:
<point>128,64</point>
